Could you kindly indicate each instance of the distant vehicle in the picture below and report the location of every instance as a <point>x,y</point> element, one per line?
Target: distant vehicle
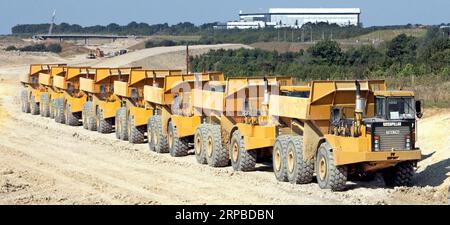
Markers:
<point>123,52</point>
<point>94,54</point>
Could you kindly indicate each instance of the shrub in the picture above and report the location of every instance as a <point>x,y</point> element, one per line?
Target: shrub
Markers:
<point>55,48</point>
<point>167,43</point>
<point>11,48</point>
<point>34,48</point>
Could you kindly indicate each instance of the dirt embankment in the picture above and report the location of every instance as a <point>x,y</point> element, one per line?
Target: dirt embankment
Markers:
<point>161,57</point>
<point>42,162</point>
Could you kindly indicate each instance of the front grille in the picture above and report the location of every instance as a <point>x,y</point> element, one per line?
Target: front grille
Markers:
<point>392,137</point>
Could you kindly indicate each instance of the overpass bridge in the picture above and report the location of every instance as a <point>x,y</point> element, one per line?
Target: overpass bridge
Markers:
<point>84,37</point>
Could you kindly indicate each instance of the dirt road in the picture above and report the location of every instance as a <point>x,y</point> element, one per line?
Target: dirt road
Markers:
<point>42,162</point>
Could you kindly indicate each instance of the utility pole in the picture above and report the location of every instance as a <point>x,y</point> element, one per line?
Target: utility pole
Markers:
<point>312,35</point>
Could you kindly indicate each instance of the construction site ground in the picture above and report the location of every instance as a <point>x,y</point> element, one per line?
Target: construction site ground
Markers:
<point>42,162</point>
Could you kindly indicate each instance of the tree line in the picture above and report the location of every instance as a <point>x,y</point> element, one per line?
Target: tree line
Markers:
<point>308,32</point>
<point>403,56</point>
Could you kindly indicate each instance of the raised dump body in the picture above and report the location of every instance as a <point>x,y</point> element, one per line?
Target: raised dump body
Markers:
<point>34,91</point>
<point>174,122</point>
<point>132,117</point>
<point>69,107</point>
<point>237,124</point>
<point>99,111</point>
<point>339,127</point>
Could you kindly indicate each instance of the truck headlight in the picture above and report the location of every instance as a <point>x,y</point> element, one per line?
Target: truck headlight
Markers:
<point>408,142</point>
<point>376,143</point>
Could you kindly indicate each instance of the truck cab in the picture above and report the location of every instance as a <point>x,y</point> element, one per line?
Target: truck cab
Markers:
<point>394,124</point>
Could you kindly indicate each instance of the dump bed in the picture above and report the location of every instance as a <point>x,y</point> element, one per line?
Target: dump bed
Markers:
<point>138,79</point>
<point>321,97</point>
<point>35,69</point>
<point>237,93</point>
<point>70,79</point>
<point>104,79</point>
<point>181,85</point>
<point>46,79</point>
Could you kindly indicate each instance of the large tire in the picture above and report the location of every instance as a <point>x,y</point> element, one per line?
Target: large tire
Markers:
<point>56,101</point>
<point>84,115</point>
<point>59,117</point>
<point>25,103</point>
<point>279,159</point>
<point>199,143</point>
<point>157,142</point>
<point>241,159</point>
<point>52,109</point>
<point>400,175</point>
<point>117,124</point>
<point>104,126</point>
<point>136,134</point>
<point>34,106</point>
<point>329,176</point>
<point>70,118</point>
<point>216,154</point>
<point>178,147</point>
<point>123,124</point>
<point>91,118</point>
<point>45,105</point>
<point>299,171</point>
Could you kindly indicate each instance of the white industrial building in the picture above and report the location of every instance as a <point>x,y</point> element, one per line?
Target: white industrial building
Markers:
<point>296,18</point>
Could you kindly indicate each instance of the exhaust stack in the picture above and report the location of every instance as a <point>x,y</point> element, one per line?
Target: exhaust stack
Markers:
<point>360,106</point>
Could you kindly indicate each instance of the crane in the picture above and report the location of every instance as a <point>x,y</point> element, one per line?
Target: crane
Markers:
<point>50,30</point>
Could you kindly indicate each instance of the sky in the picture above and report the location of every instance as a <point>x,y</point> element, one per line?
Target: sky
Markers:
<point>103,12</point>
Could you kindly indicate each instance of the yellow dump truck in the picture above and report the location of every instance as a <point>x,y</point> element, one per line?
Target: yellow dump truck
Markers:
<point>173,123</point>
<point>338,129</point>
<point>69,107</point>
<point>34,91</point>
<point>132,117</point>
<point>99,111</point>
<point>47,104</point>
<point>237,125</point>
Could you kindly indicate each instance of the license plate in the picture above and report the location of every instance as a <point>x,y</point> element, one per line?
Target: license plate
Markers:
<point>393,132</point>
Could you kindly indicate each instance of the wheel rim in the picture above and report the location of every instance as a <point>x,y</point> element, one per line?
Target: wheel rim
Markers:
<point>277,159</point>
<point>322,168</point>
<point>210,146</point>
<point>197,146</point>
<point>291,159</point>
<point>235,152</point>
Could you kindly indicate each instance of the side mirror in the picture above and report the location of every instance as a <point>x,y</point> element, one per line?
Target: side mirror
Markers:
<point>419,111</point>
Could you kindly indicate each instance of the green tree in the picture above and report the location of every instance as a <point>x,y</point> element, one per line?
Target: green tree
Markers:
<point>326,51</point>
<point>402,49</point>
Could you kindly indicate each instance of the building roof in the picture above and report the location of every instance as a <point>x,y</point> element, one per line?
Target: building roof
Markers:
<point>314,10</point>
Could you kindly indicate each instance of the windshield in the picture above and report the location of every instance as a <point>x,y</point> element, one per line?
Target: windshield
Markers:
<point>400,108</point>
<point>395,108</point>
